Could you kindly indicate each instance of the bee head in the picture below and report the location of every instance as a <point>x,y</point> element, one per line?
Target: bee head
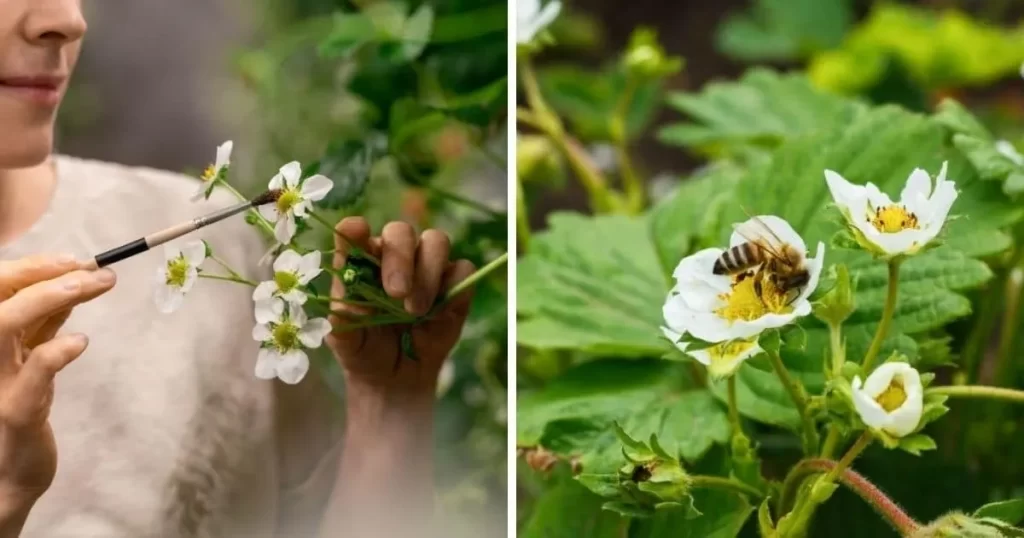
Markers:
<point>792,280</point>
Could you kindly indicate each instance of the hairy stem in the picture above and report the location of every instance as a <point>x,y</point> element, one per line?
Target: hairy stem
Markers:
<point>631,183</point>
<point>726,484</point>
<point>473,279</point>
<point>887,315</point>
<point>796,393</point>
<point>832,440</point>
<point>979,391</point>
<point>883,505</point>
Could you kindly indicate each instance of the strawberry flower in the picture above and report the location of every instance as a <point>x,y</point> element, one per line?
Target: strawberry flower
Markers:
<point>284,338</point>
<point>215,172</point>
<point>891,400</point>
<point>177,275</point>
<point>296,200</point>
<point>291,272</point>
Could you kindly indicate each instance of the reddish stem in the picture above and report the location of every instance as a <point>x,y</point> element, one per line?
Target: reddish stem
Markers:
<point>886,507</point>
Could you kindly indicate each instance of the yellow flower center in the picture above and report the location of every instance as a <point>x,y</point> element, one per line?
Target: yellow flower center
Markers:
<point>285,336</point>
<point>177,272</point>
<point>893,396</point>
<point>286,281</point>
<point>893,218</point>
<point>288,199</point>
<point>743,302</point>
<point>209,174</point>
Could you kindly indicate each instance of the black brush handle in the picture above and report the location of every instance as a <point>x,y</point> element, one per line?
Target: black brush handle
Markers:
<point>124,251</point>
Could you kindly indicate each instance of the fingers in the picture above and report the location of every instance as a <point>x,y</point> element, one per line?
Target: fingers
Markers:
<point>398,259</point>
<point>431,261</point>
<point>27,401</point>
<point>357,231</point>
<point>458,307</point>
<point>19,274</point>
<point>41,300</point>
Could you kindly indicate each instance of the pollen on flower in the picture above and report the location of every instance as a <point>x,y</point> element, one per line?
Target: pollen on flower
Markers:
<point>177,272</point>
<point>288,199</point>
<point>743,302</point>
<point>893,218</point>
<point>286,281</point>
<point>209,174</point>
<point>285,336</point>
<point>728,350</point>
<point>893,396</point>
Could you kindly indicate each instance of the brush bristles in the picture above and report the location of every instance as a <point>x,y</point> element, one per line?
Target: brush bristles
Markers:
<point>268,197</point>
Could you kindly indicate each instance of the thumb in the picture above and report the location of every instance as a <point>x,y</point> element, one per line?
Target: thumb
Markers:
<point>31,393</point>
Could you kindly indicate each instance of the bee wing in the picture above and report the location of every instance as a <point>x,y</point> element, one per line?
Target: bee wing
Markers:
<point>756,231</point>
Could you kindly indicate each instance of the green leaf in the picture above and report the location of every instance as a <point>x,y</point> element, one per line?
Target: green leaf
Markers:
<point>592,284</point>
<point>575,414</point>
<point>1011,511</point>
<point>588,99</point>
<point>569,510</point>
<point>416,33</point>
<point>916,443</point>
<point>723,516</point>
<point>776,30</point>
<point>688,219</point>
<point>479,106</point>
<point>348,164</point>
<point>763,108</point>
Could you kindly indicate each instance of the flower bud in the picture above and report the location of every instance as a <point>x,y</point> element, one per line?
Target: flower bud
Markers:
<point>537,160</point>
<point>957,524</point>
<point>838,303</point>
<point>645,58</point>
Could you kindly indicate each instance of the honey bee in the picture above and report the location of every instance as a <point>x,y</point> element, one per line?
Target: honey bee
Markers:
<point>764,255</point>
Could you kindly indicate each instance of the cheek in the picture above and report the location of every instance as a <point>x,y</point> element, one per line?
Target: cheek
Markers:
<point>27,137</point>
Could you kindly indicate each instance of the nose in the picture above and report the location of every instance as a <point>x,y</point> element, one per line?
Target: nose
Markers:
<point>54,22</point>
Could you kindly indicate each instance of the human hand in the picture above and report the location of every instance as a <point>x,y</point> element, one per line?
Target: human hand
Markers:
<point>36,298</point>
<point>416,271</point>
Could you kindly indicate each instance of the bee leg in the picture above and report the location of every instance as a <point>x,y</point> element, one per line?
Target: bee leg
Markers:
<point>757,287</point>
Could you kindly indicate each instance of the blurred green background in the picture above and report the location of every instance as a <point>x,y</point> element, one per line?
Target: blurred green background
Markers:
<point>402,104</point>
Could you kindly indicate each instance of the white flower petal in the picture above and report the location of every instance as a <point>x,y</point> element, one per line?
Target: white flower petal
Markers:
<point>876,197</point>
<point>288,262</point>
<point>200,192</point>
<point>316,187</point>
<point>284,230</point>
<point>168,298</point>
<point>266,364</point>
<point>261,332</point>
<point>698,267</point>
<point>309,267</point>
<point>291,173</point>
<point>191,276</point>
<point>918,184</point>
<point>224,154</point>
<point>171,252</point>
<point>902,420</point>
<point>870,412</point>
<point>269,211</point>
<point>301,209</point>
<point>293,366</point>
<point>269,310</point>
<point>814,266</point>
<point>845,194</point>
<point>547,15</point>
<point>296,315</point>
<point>195,252</point>
<point>295,296</point>
<point>265,290</point>
<point>313,332</point>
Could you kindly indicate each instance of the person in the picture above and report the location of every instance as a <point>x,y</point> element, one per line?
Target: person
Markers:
<point>159,425</point>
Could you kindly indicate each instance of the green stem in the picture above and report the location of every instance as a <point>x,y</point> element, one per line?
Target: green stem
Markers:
<point>522,216</point>
<point>831,442</point>
<point>459,199</point>
<point>225,266</point>
<point>978,339</point>
<point>726,484</point>
<point>799,400</point>
<point>332,300</point>
<point>887,315</point>
<point>236,279</point>
<point>630,179</point>
<point>1008,329</point>
<point>979,391</point>
<point>835,338</point>
<point>472,279</point>
<point>317,217</point>
<point>734,413</point>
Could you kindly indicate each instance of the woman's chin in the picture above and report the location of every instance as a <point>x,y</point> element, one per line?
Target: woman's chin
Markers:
<point>27,148</point>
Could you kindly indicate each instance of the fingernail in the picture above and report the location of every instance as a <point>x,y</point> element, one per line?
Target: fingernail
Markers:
<point>399,284</point>
<point>79,339</point>
<point>105,276</point>
<point>71,284</point>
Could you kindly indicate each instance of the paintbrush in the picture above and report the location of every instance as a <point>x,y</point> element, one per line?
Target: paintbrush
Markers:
<point>169,234</point>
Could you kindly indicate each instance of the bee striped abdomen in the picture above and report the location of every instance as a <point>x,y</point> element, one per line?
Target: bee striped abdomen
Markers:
<point>737,259</point>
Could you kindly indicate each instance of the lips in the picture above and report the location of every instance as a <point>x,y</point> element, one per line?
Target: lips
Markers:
<point>39,89</point>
